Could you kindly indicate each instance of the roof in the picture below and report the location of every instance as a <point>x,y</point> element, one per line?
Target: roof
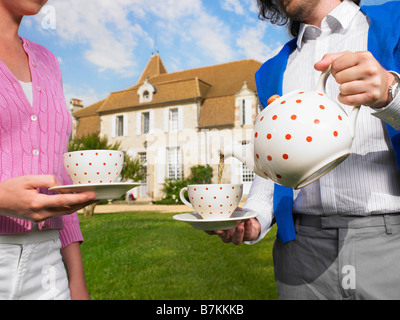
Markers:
<point>89,111</point>
<point>217,112</point>
<point>176,90</point>
<point>214,86</point>
<point>88,125</point>
<point>225,79</point>
<point>89,120</point>
<point>154,68</point>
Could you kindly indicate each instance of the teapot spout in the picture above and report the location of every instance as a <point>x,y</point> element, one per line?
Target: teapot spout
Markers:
<point>244,153</point>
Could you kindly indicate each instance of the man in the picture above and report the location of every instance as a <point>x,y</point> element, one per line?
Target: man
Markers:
<point>339,237</point>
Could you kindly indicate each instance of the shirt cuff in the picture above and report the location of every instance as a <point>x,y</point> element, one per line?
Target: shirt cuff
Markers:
<point>263,218</point>
<point>391,113</point>
<point>71,232</point>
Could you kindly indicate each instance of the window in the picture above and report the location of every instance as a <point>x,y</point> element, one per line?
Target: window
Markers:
<point>174,163</point>
<point>146,92</point>
<point>173,120</point>
<point>143,183</point>
<point>243,112</point>
<point>145,122</point>
<point>120,126</point>
<point>246,113</point>
<point>143,159</point>
<point>247,174</point>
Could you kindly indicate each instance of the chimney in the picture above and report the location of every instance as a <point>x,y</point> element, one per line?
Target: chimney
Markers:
<point>75,105</point>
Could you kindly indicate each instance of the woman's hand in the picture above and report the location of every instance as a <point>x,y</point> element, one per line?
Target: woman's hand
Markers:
<point>20,198</point>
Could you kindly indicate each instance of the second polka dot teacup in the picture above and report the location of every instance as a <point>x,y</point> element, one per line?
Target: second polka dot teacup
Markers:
<point>213,201</point>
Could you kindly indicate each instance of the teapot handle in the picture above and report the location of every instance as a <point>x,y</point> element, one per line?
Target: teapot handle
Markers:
<point>321,86</point>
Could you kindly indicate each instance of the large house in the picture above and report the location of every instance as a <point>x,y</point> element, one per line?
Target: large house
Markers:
<point>174,121</point>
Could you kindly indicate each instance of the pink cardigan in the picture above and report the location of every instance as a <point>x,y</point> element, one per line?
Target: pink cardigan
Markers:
<point>34,138</point>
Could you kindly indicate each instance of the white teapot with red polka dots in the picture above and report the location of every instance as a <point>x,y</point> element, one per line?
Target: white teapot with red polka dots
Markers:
<point>299,137</point>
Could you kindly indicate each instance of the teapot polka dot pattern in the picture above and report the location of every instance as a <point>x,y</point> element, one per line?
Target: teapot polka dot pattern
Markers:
<point>299,137</point>
<point>296,133</point>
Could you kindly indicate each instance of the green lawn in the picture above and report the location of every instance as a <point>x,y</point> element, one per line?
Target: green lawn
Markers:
<point>151,256</point>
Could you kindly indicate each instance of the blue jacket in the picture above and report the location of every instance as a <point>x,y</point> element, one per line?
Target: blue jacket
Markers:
<point>383,43</point>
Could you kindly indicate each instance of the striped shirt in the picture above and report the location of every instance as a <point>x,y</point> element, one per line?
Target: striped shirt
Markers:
<point>368,182</point>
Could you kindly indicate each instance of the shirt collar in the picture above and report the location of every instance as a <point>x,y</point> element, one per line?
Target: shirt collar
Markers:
<point>337,20</point>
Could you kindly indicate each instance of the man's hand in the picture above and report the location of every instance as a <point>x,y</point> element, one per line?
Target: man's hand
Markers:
<point>20,198</point>
<point>363,81</point>
<point>246,231</point>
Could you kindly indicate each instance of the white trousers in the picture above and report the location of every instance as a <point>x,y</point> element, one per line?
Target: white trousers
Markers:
<point>31,267</point>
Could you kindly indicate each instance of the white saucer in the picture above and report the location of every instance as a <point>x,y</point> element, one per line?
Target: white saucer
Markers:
<point>197,222</point>
<point>104,191</point>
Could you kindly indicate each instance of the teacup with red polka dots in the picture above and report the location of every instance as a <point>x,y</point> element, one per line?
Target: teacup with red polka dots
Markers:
<point>213,201</point>
<point>94,166</point>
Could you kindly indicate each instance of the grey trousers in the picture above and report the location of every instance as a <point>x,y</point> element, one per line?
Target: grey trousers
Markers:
<point>339,258</point>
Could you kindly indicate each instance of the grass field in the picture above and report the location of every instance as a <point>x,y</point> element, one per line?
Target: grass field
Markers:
<point>150,256</point>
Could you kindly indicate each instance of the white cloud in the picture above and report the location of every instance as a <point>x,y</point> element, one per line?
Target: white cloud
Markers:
<point>213,37</point>
<point>105,27</point>
<point>173,10</point>
<point>190,23</point>
<point>253,7</point>
<point>234,6</point>
<point>111,31</point>
<point>88,95</point>
<point>112,35</point>
<point>251,44</point>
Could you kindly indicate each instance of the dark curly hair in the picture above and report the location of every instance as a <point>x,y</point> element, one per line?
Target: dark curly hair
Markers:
<point>270,10</point>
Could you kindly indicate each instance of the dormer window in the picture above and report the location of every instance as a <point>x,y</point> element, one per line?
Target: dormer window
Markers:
<point>146,92</point>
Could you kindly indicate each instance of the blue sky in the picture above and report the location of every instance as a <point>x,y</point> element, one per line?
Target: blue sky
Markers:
<point>104,45</point>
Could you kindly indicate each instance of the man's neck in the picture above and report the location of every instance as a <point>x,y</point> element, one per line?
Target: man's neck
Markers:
<point>322,10</point>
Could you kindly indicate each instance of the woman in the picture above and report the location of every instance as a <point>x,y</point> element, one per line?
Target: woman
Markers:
<point>34,131</point>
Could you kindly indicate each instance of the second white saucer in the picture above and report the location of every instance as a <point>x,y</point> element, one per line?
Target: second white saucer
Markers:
<point>197,222</point>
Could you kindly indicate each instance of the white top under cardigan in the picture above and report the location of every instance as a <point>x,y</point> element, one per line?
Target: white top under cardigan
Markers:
<point>27,87</point>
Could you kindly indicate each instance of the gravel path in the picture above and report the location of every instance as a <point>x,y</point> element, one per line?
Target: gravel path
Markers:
<point>143,207</point>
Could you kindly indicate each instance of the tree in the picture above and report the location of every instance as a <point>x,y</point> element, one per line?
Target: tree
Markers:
<point>92,142</point>
<point>133,168</point>
<point>172,187</point>
<point>200,175</point>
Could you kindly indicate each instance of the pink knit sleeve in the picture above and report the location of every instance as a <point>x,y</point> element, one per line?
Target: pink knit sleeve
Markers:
<point>71,232</point>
